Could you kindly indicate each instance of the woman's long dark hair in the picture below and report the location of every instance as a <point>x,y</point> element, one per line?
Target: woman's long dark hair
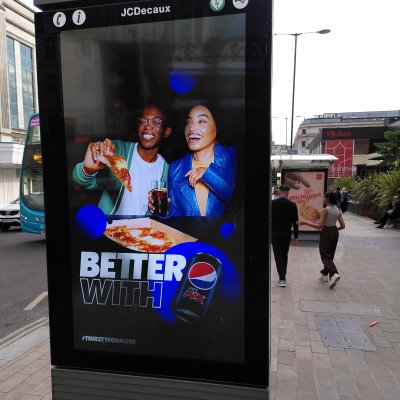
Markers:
<point>331,197</point>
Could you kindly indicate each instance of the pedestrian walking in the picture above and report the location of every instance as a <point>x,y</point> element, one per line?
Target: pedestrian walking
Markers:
<point>284,217</point>
<point>329,236</point>
<point>345,200</point>
<point>338,197</point>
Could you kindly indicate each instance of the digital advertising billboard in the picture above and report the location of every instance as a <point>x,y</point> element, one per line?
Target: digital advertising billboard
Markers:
<point>155,121</point>
<point>308,187</point>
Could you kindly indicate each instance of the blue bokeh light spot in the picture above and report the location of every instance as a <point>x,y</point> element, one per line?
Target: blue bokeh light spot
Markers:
<point>91,220</point>
<point>227,230</point>
<point>182,82</point>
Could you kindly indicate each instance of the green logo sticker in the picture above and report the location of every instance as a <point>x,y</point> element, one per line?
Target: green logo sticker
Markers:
<point>217,5</point>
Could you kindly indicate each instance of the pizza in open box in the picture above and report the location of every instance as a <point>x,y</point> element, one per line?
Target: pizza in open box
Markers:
<point>146,240</point>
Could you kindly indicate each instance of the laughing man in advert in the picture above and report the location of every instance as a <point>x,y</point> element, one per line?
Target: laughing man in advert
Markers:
<point>202,182</point>
<point>124,170</point>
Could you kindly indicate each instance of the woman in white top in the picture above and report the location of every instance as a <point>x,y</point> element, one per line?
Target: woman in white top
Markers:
<point>329,236</point>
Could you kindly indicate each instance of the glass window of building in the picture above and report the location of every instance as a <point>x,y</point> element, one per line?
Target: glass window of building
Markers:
<point>303,143</point>
<point>12,82</point>
<point>28,88</point>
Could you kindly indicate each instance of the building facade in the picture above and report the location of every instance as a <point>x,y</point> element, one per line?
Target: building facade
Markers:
<point>279,149</point>
<point>348,136</point>
<point>18,90</point>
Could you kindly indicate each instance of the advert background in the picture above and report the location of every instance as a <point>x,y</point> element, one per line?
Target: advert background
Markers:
<point>113,72</point>
<point>312,195</point>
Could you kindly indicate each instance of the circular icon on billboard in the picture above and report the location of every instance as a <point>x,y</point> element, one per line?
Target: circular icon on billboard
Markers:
<point>59,19</point>
<point>240,3</point>
<point>202,275</point>
<point>217,5</point>
<point>78,17</point>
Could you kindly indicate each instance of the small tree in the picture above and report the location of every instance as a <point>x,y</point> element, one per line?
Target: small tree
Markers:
<point>390,150</point>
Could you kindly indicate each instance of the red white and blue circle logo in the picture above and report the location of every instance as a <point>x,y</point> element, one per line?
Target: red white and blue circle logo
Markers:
<point>203,276</point>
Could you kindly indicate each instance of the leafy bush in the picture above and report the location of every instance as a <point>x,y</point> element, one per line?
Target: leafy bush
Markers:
<point>345,181</point>
<point>378,189</point>
<point>388,185</point>
<point>365,190</point>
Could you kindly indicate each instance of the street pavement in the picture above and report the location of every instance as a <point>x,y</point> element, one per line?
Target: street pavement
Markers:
<point>301,368</point>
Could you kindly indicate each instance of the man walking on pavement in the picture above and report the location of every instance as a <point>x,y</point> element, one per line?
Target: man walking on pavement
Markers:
<point>284,217</point>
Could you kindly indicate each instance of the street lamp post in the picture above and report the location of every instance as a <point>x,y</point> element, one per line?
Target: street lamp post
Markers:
<point>296,35</point>
<point>286,118</point>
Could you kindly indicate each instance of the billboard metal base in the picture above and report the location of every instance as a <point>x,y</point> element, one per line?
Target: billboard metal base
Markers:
<point>88,385</point>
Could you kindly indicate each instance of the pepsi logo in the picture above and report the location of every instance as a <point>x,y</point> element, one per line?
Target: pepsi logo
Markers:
<point>202,276</point>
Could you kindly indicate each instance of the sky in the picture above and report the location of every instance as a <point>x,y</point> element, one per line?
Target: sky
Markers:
<point>352,68</point>
<point>355,67</point>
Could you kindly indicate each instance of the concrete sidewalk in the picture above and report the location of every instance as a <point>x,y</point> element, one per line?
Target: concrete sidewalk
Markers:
<point>25,367</point>
<point>302,368</point>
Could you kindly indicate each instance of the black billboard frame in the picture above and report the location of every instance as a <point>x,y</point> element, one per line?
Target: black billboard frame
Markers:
<point>254,371</point>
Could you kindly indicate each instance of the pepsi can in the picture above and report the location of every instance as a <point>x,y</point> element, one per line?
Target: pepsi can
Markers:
<point>197,288</point>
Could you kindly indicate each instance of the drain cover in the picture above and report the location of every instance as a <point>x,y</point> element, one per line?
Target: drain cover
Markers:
<point>343,333</point>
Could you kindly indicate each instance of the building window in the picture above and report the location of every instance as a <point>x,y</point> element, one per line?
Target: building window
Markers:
<point>12,83</point>
<point>303,144</point>
<point>303,131</point>
<point>28,86</point>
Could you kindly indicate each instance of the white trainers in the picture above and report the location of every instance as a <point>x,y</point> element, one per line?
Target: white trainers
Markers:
<point>281,283</point>
<point>324,278</point>
<point>334,280</point>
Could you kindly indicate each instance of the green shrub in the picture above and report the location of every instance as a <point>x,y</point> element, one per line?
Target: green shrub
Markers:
<point>365,190</point>
<point>345,181</point>
<point>378,189</point>
<point>388,184</point>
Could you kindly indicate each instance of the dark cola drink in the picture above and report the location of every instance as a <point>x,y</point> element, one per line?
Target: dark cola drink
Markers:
<point>160,200</point>
<point>197,288</point>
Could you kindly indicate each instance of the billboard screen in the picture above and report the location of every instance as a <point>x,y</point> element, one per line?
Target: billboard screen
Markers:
<point>140,75</point>
<point>145,109</point>
<point>307,191</point>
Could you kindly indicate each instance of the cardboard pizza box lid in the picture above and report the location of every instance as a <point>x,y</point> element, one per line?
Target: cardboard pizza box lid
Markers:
<point>178,236</point>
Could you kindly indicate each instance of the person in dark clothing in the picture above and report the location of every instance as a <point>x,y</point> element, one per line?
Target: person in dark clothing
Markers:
<point>284,217</point>
<point>338,197</point>
<point>345,200</point>
<point>392,213</point>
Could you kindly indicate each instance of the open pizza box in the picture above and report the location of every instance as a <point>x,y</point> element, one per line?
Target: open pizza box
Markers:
<point>176,235</point>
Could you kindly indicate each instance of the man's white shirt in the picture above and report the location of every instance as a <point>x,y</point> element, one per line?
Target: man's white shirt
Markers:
<point>142,174</point>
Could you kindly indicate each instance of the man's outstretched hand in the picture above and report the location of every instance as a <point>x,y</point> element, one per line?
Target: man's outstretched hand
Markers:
<point>295,179</point>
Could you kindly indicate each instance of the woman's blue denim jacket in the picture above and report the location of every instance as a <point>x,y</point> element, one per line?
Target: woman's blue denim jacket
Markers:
<point>219,177</point>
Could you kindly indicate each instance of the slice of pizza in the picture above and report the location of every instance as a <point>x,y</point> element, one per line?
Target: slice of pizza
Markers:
<point>119,168</point>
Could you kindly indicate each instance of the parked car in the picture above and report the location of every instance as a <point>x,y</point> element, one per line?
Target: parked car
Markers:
<point>9,215</point>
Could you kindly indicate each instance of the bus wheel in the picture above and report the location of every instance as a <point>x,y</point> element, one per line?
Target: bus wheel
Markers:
<point>5,227</point>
